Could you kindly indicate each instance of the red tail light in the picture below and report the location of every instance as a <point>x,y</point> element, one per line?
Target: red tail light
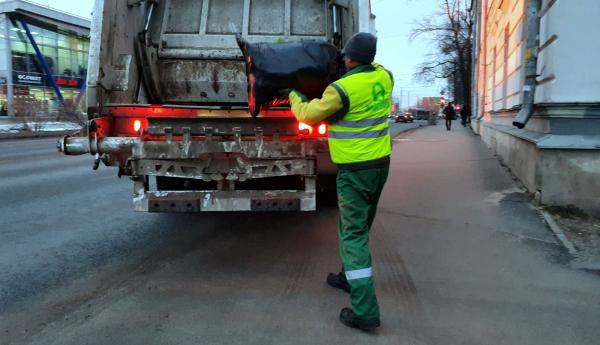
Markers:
<point>308,130</point>
<point>137,125</point>
<point>130,127</point>
<point>322,129</point>
<point>304,129</point>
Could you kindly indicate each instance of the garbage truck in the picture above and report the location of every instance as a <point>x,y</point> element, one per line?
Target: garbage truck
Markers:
<point>167,103</point>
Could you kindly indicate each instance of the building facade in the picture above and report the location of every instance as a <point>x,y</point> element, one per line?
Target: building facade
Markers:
<point>556,154</point>
<point>46,82</point>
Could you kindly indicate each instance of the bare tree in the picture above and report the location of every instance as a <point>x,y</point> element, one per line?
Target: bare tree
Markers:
<point>452,30</point>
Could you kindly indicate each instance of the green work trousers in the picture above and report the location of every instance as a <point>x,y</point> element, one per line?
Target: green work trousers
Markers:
<point>358,195</point>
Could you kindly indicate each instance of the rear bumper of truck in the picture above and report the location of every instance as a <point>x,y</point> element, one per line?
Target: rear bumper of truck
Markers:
<point>213,201</point>
<point>208,159</point>
<point>224,162</point>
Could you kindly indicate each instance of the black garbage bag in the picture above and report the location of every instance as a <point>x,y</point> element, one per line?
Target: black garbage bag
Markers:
<point>308,67</point>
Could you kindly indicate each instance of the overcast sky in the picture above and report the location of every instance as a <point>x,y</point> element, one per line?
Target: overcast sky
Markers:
<point>395,20</point>
<point>395,50</point>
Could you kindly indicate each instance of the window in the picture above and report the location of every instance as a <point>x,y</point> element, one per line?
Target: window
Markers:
<point>64,53</point>
<point>19,61</point>
<point>79,65</point>
<point>19,47</point>
<point>64,62</point>
<point>50,54</point>
<point>48,38</point>
<point>63,41</point>
<point>76,44</point>
<point>33,65</point>
<point>36,32</point>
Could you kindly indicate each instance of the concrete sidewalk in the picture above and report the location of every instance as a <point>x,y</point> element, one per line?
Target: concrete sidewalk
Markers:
<point>18,128</point>
<point>480,266</point>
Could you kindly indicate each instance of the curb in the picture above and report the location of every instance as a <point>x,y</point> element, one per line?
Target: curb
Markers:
<point>407,130</point>
<point>560,234</point>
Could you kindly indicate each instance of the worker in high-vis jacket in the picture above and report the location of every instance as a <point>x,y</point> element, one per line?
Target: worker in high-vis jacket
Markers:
<point>357,107</point>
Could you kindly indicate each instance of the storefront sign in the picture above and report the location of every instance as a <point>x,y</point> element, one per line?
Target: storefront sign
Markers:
<point>67,82</point>
<point>39,79</point>
<point>25,78</point>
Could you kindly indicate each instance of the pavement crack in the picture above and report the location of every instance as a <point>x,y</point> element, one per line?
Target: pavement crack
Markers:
<point>526,238</point>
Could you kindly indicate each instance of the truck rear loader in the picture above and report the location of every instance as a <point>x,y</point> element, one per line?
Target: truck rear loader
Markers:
<point>167,103</point>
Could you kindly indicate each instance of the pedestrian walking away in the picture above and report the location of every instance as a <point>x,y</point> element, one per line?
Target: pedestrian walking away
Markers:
<point>465,115</point>
<point>357,107</point>
<point>449,114</point>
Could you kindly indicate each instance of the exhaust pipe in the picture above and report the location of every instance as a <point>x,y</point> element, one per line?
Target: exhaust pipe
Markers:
<point>74,146</point>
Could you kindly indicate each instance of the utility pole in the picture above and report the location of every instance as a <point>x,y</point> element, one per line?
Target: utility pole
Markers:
<point>401,96</point>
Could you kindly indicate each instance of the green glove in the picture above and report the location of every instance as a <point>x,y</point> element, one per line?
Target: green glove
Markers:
<point>297,93</point>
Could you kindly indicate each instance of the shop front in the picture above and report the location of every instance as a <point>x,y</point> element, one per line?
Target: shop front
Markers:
<point>35,96</point>
<point>45,83</point>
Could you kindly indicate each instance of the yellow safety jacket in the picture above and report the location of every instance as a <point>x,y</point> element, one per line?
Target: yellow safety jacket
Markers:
<point>357,107</point>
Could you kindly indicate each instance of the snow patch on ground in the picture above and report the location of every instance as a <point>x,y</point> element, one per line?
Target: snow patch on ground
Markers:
<point>39,127</point>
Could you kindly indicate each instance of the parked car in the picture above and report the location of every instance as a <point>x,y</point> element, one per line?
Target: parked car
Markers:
<point>421,114</point>
<point>406,117</point>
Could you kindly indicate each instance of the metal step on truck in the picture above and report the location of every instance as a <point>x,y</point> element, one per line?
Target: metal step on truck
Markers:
<point>167,103</point>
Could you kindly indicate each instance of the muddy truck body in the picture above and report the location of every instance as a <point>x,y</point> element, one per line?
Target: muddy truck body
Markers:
<point>167,103</point>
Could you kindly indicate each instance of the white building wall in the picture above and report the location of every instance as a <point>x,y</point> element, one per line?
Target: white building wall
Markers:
<point>364,16</point>
<point>569,61</point>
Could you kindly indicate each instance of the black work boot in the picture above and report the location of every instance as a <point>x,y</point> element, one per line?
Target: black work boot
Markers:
<point>348,318</point>
<point>338,281</point>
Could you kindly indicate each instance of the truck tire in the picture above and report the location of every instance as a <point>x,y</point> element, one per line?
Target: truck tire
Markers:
<point>326,191</point>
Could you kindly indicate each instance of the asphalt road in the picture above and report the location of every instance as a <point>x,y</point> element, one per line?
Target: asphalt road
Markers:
<point>460,257</point>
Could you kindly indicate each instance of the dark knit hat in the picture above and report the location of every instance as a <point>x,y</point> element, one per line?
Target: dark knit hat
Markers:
<point>361,47</point>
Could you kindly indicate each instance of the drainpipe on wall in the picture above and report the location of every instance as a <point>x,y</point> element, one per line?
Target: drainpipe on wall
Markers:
<point>479,54</point>
<point>531,60</point>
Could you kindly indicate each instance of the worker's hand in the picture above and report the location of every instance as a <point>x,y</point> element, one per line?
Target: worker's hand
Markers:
<point>296,93</point>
